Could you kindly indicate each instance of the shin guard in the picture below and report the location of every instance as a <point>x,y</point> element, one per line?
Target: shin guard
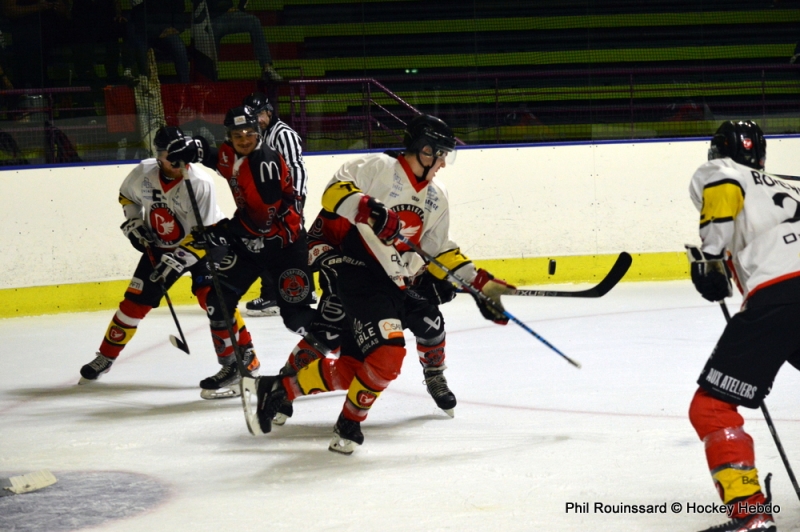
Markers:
<point>122,327</point>
<point>729,449</point>
<point>431,356</point>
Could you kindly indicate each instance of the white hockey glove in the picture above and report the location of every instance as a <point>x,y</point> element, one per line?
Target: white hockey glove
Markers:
<point>138,233</point>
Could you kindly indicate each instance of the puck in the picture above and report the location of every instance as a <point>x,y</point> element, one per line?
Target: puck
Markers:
<point>551,267</point>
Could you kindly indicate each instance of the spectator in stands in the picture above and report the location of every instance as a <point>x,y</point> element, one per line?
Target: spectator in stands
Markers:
<point>227,19</point>
<point>158,24</point>
<point>97,23</point>
<point>35,26</point>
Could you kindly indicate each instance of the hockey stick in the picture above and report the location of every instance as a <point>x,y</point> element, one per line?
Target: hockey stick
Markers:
<point>770,424</point>
<point>180,343</point>
<point>201,229</point>
<point>614,275</point>
<point>481,296</point>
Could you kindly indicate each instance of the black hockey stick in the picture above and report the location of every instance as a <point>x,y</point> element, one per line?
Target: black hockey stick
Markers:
<point>481,296</point>
<point>180,343</point>
<point>614,275</point>
<point>770,424</point>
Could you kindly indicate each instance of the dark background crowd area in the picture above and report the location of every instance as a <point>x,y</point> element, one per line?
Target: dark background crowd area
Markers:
<point>86,80</point>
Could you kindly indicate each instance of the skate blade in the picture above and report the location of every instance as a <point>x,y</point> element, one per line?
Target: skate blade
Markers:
<point>280,419</point>
<point>222,393</point>
<point>342,445</point>
<point>84,380</point>
<point>263,313</point>
<point>249,399</point>
<point>450,412</point>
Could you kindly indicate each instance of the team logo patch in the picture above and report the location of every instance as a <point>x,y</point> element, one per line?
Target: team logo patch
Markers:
<point>411,220</point>
<point>219,344</point>
<point>116,334</point>
<point>747,143</point>
<point>391,328</point>
<point>304,357</point>
<point>365,398</point>
<point>136,286</point>
<point>293,285</point>
<point>165,225</point>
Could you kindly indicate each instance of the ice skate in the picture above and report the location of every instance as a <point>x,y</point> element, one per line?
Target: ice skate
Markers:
<point>92,371</point>
<point>262,307</point>
<point>270,393</point>
<point>226,382</point>
<point>437,387</point>
<point>346,435</point>
<point>285,411</point>
<point>757,519</point>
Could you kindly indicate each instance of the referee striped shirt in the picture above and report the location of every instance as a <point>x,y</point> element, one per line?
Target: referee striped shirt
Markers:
<point>286,141</point>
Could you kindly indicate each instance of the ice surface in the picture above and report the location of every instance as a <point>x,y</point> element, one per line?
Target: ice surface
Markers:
<point>531,433</point>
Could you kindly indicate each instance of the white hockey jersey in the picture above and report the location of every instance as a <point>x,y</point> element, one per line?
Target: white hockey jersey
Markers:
<point>754,216</point>
<point>423,209</point>
<point>164,205</point>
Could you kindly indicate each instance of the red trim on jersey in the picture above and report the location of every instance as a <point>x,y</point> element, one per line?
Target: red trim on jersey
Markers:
<point>771,282</point>
<point>168,184</point>
<point>414,180</point>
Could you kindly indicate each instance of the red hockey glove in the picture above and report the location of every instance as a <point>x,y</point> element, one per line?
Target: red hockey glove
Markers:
<point>385,222</point>
<point>493,289</point>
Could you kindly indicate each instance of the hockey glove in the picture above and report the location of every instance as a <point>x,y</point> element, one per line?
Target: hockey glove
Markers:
<point>138,233</point>
<point>710,274</point>
<point>185,153</point>
<point>167,270</point>
<point>385,222</point>
<point>492,288</point>
<point>436,291</point>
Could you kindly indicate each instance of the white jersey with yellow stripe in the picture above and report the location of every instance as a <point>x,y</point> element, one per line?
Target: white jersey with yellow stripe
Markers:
<point>752,215</point>
<point>164,205</point>
<point>423,209</point>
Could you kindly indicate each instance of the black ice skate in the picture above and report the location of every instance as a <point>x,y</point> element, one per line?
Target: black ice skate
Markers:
<point>760,520</point>
<point>91,371</point>
<point>285,411</point>
<point>437,387</point>
<point>270,393</point>
<point>262,307</point>
<point>226,382</point>
<point>346,435</point>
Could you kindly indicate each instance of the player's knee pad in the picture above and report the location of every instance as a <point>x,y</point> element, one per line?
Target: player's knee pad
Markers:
<point>709,414</point>
<point>382,366</point>
<point>220,336</point>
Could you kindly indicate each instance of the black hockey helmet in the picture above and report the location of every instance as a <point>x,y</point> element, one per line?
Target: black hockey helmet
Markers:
<point>166,136</point>
<point>259,102</point>
<point>427,130</point>
<point>240,118</point>
<point>742,141</point>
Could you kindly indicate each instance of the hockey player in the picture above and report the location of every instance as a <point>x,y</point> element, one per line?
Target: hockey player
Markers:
<point>381,196</point>
<point>283,139</point>
<point>423,317</point>
<point>749,222</point>
<point>264,233</point>
<point>158,215</point>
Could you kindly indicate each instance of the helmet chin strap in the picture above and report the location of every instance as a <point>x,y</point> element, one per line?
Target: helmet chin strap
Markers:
<point>426,169</point>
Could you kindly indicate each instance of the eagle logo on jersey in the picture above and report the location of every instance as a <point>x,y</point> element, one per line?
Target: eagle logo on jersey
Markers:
<point>165,225</point>
<point>411,220</point>
<point>293,285</point>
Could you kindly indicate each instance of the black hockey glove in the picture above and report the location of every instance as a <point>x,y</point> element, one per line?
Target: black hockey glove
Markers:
<point>710,274</point>
<point>385,222</point>
<point>215,240</point>
<point>491,288</point>
<point>138,233</point>
<point>436,291</point>
<point>167,270</point>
